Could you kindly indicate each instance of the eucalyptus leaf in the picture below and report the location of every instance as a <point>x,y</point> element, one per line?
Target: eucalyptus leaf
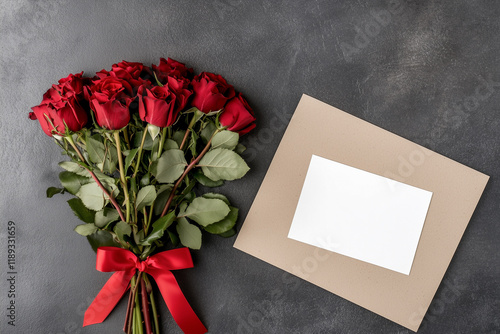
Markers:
<point>106,216</point>
<point>225,224</point>
<point>205,181</point>
<point>225,139</point>
<point>223,164</point>
<point>159,228</point>
<point>170,166</point>
<point>189,234</point>
<point>91,196</point>
<point>206,211</point>
<point>72,181</point>
<point>145,196</point>
<point>81,211</point>
<point>85,229</point>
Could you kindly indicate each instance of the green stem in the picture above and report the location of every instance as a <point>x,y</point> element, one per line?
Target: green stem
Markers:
<point>122,174</point>
<point>99,184</point>
<point>162,141</point>
<point>186,171</point>
<point>137,312</point>
<point>153,306</point>
<point>139,154</point>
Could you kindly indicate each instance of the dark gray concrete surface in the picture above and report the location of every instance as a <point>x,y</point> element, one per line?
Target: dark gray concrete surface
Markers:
<point>428,71</point>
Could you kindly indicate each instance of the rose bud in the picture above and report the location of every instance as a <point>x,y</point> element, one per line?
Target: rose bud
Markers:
<point>110,98</point>
<point>157,105</point>
<point>53,116</point>
<point>238,116</point>
<point>211,92</point>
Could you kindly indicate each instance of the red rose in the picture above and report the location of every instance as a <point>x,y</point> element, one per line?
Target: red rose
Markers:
<point>238,116</point>
<point>157,105</point>
<point>211,92</point>
<point>180,88</point>
<point>72,85</point>
<point>171,68</point>
<point>54,115</point>
<point>132,72</point>
<point>110,98</point>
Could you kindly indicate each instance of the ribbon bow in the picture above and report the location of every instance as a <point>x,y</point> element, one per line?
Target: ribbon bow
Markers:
<point>124,262</point>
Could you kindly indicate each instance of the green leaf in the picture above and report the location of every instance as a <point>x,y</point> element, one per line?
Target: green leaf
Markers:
<point>192,144</point>
<point>100,239</point>
<point>162,198</point>
<point>225,224</point>
<point>228,234</point>
<point>91,196</point>
<point>170,144</point>
<point>174,238</point>
<point>240,149</point>
<point>178,136</point>
<point>189,234</point>
<point>51,191</point>
<point>159,228</point>
<point>148,142</point>
<point>81,211</point>
<point>121,230</point>
<point>171,165</point>
<point>145,197</point>
<point>72,182</point>
<point>216,196</point>
<point>86,229</point>
<point>200,177</point>
<point>225,139</point>
<point>73,167</point>
<point>206,211</point>
<point>130,155</point>
<point>208,131</point>
<point>104,155</point>
<point>106,216</point>
<point>223,164</point>
<point>153,131</point>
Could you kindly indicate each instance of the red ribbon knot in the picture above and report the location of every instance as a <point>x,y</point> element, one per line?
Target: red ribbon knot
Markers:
<point>159,266</point>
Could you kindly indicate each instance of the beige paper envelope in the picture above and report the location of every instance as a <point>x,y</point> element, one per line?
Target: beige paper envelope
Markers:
<point>320,129</point>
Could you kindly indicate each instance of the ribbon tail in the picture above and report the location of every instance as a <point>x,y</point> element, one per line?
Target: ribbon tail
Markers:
<point>108,297</point>
<point>177,304</point>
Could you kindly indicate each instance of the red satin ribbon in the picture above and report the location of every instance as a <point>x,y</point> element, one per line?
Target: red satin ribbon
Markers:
<point>125,263</point>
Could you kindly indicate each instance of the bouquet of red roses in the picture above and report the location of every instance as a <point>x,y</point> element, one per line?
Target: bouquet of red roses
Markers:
<point>139,139</point>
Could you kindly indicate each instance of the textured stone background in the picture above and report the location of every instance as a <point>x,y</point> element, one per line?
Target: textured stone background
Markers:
<point>427,71</point>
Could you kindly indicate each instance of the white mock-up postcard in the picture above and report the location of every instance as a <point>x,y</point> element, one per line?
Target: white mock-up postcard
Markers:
<point>360,215</point>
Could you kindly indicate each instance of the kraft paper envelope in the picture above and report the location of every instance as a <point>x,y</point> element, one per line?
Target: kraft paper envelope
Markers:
<point>322,130</point>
